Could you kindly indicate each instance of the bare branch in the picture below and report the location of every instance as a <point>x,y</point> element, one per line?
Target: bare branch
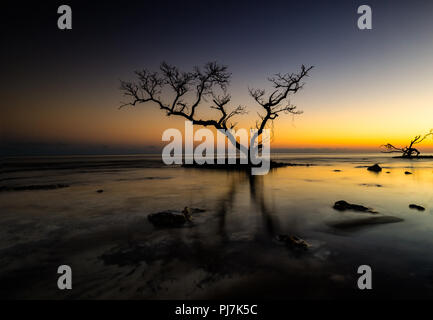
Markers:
<point>390,148</point>
<point>408,151</point>
<point>191,89</point>
<point>284,85</point>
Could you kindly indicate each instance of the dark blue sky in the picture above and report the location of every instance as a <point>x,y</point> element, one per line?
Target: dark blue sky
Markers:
<point>125,35</point>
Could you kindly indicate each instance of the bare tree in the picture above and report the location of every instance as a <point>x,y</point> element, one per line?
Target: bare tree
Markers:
<point>408,151</point>
<point>185,92</point>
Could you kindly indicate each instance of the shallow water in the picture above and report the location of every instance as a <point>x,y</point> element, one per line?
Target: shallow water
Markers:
<point>230,249</point>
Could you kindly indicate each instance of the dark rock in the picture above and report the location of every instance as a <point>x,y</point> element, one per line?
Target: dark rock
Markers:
<point>167,218</point>
<point>417,207</point>
<point>388,172</point>
<point>293,241</point>
<point>344,205</point>
<point>99,191</point>
<point>337,170</point>
<point>375,168</point>
<point>407,172</point>
<point>172,218</point>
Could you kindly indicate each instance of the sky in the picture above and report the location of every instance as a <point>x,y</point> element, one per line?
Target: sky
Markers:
<point>60,88</point>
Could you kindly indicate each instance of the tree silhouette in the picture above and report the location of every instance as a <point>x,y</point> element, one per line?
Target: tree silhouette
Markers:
<point>408,151</point>
<point>181,94</point>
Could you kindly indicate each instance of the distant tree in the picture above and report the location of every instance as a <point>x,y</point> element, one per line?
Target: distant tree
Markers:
<point>408,151</point>
<point>182,93</point>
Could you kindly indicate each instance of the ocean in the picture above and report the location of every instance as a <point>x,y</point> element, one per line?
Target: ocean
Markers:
<point>90,212</point>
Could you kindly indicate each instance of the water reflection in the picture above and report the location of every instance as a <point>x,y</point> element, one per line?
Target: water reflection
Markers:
<point>232,244</point>
<point>255,184</point>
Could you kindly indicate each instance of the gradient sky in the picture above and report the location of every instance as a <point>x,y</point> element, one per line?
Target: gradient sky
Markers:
<point>60,89</point>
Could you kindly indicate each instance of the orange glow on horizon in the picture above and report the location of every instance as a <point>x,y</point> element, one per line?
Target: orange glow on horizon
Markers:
<point>362,112</point>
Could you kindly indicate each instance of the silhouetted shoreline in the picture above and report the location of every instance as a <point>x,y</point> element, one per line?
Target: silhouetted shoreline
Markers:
<point>414,158</point>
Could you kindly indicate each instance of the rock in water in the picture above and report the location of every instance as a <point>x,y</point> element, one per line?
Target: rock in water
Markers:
<point>407,172</point>
<point>344,205</point>
<point>417,207</point>
<point>173,218</point>
<point>167,218</point>
<point>187,213</point>
<point>375,168</point>
<point>293,241</point>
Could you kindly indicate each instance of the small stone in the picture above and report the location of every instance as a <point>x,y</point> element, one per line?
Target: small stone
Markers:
<point>344,205</point>
<point>99,191</point>
<point>375,168</point>
<point>173,218</point>
<point>416,207</point>
<point>407,172</point>
<point>167,219</point>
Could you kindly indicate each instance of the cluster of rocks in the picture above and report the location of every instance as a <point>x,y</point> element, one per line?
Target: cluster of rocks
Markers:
<point>342,205</point>
<point>175,218</point>
<point>377,168</point>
